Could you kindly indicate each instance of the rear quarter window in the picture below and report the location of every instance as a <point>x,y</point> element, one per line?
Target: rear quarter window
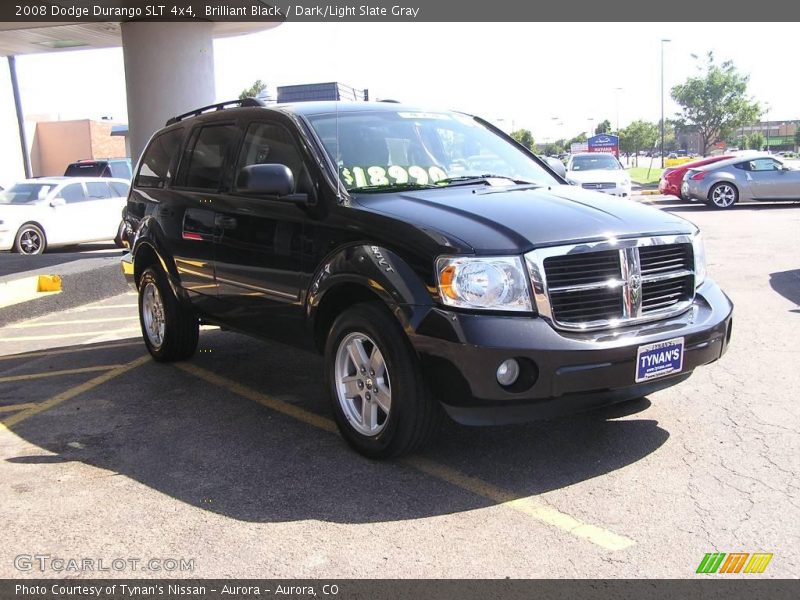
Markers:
<point>159,160</point>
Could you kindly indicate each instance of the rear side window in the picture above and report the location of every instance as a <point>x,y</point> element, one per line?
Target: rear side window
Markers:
<point>120,190</point>
<point>73,193</point>
<point>120,169</point>
<point>205,159</point>
<point>154,171</point>
<point>98,190</point>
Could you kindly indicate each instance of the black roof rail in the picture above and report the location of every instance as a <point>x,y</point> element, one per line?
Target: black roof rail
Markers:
<point>243,103</point>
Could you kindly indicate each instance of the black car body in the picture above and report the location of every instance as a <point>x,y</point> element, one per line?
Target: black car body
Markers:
<point>591,283</point>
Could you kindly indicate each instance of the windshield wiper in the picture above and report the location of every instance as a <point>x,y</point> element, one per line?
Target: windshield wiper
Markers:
<point>484,178</point>
<point>397,187</point>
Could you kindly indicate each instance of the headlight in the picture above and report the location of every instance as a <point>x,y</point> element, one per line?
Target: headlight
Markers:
<point>492,283</point>
<point>699,251</point>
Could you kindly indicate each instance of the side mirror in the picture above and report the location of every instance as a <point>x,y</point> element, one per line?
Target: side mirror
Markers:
<point>268,180</point>
<point>57,202</point>
<point>556,165</point>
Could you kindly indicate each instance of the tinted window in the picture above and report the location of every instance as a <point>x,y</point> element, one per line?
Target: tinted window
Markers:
<point>73,193</point>
<point>270,144</point>
<point>206,156</point>
<point>154,171</point>
<point>119,189</point>
<point>605,162</point>
<point>22,193</point>
<point>98,190</point>
<point>763,164</point>
<point>87,169</point>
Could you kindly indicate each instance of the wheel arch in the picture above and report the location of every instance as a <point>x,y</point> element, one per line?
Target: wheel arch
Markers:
<point>37,224</point>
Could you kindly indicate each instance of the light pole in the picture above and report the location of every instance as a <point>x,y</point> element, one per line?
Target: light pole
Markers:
<point>590,133</point>
<point>768,107</point>
<point>663,41</point>
<point>618,90</point>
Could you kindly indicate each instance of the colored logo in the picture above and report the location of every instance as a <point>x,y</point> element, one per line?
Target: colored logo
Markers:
<point>734,562</point>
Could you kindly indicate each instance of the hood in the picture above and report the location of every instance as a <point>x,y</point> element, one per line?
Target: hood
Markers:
<point>514,220</point>
<point>599,175</point>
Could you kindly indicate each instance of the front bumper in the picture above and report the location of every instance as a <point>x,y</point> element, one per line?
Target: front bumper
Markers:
<point>620,190</point>
<point>6,239</point>
<point>570,372</point>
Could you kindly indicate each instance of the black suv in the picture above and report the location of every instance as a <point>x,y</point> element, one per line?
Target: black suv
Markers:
<point>436,263</point>
<point>106,167</point>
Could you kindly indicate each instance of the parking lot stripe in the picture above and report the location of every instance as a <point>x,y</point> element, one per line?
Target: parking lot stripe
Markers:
<point>40,353</point>
<point>61,336</point>
<point>523,504</point>
<point>70,322</point>
<point>74,391</point>
<point>13,407</point>
<point>28,376</point>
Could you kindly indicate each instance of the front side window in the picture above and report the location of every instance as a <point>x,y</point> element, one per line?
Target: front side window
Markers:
<point>763,164</point>
<point>154,171</point>
<point>267,143</point>
<point>73,193</point>
<point>387,149</point>
<point>205,158</point>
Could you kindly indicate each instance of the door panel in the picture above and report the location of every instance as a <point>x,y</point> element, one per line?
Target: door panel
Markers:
<point>69,222</point>
<point>258,257</point>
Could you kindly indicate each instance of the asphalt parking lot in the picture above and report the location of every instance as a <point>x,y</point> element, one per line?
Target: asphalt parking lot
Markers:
<point>231,460</point>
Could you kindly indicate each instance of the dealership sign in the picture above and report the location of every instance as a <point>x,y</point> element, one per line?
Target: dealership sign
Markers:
<point>604,143</point>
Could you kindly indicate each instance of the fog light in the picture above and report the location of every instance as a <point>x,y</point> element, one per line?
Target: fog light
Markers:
<point>507,372</point>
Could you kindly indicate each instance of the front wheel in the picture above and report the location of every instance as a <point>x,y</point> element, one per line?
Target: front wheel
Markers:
<point>29,240</point>
<point>169,329</point>
<point>723,195</point>
<point>380,402</point>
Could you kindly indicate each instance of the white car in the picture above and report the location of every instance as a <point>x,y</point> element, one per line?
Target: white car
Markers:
<point>599,171</point>
<point>36,214</point>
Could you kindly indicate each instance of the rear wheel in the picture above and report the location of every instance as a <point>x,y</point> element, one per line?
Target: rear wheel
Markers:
<point>723,195</point>
<point>169,329</point>
<point>30,240</point>
<point>380,402</point>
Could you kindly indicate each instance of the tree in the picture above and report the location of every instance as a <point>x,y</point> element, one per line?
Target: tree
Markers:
<point>580,138</point>
<point>254,90</point>
<point>756,141</point>
<point>797,139</point>
<point>603,127</point>
<point>524,137</point>
<point>715,102</point>
<point>638,136</point>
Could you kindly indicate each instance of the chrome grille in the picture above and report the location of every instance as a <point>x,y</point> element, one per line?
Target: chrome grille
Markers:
<point>604,185</point>
<point>614,282</point>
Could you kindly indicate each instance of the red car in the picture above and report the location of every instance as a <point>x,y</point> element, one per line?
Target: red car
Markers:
<point>672,177</point>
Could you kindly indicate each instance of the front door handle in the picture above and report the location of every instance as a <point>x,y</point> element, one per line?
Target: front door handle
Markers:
<point>225,222</point>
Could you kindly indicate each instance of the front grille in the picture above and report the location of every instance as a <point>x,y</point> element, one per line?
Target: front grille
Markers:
<point>592,287</point>
<point>605,185</point>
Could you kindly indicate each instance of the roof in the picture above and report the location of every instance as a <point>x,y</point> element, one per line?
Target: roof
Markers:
<point>55,180</point>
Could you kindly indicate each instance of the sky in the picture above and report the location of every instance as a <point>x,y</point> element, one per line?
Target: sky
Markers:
<point>556,79</point>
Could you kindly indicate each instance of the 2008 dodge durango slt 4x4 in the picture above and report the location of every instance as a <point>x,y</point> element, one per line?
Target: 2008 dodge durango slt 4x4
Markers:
<point>440,266</point>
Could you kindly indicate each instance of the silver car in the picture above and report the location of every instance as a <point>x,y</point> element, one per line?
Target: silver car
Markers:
<point>743,178</point>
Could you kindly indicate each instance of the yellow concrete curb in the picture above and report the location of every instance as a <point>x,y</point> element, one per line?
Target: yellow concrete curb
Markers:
<point>647,193</point>
<point>21,290</point>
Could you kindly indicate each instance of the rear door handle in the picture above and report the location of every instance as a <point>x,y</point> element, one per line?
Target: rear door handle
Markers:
<point>225,222</point>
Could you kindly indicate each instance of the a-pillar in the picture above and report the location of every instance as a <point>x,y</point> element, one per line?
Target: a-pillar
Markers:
<point>169,69</point>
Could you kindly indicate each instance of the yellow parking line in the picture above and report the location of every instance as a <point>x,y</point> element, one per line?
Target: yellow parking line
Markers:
<point>40,353</point>
<point>523,504</point>
<point>74,391</point>
<point>61,336</point>
<point>75,322</point>
<point>57,373</point>
<point>13,407</point>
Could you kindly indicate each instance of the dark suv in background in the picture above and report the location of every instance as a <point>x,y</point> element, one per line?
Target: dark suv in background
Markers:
<point>107,167</point>
<point>435,262</point>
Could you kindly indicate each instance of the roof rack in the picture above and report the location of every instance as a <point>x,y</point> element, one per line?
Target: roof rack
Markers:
<point>243,103</point>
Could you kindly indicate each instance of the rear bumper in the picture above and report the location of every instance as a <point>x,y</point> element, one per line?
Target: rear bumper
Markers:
<point>670,189</point>
<point>562,372</point>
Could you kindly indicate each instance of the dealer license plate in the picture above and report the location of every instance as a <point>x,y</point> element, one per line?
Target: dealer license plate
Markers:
<point>659,359</point>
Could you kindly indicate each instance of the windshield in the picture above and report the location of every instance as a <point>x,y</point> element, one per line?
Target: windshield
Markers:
<point>604,162</point>
<point>23,193</point>
<point>410,148</point>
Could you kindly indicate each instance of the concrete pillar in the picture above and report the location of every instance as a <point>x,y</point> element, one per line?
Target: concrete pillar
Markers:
<point>169,69</point>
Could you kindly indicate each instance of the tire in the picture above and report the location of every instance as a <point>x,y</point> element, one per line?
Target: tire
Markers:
<point>410,417</point>
<point>30,240</point>
<point>119,240</point>
<point>722,195</point>
<point>169,329</point>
